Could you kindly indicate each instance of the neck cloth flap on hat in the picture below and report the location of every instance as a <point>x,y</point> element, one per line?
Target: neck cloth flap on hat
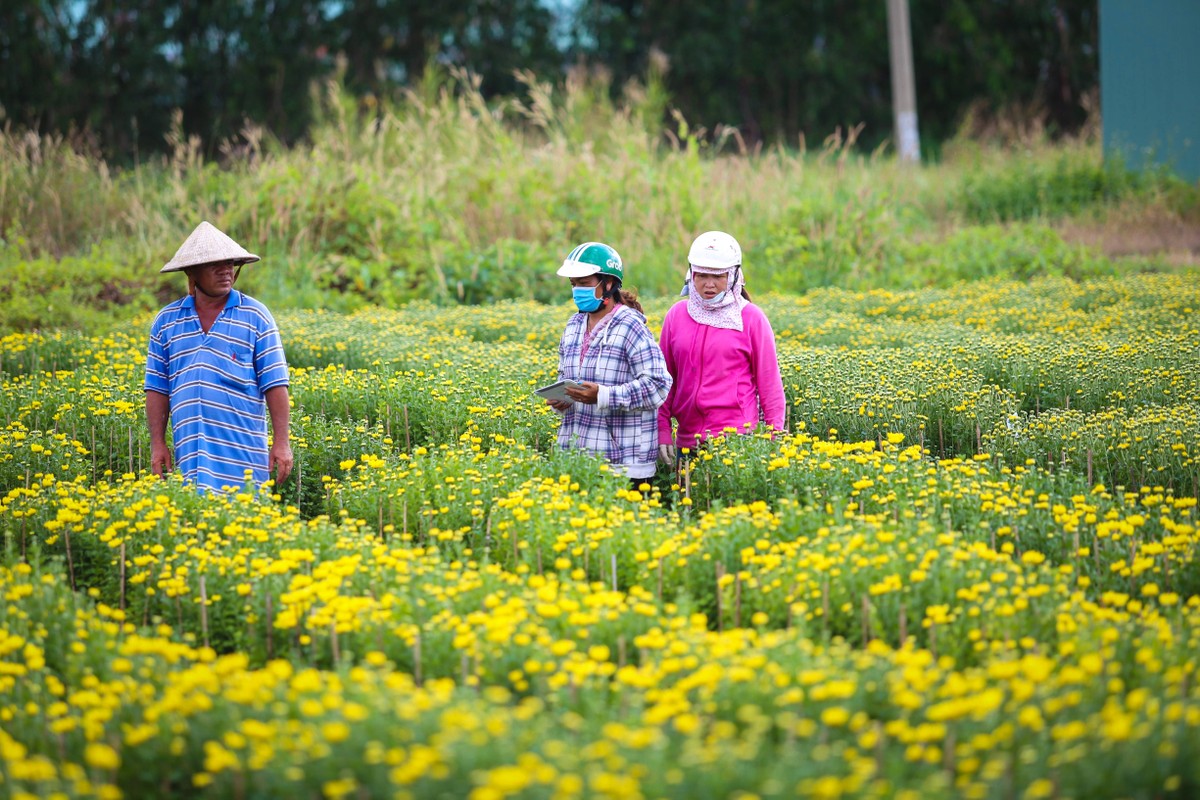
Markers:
<point>725,313</point>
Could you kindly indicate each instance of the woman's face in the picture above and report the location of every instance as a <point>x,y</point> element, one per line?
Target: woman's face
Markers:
<point>710,284</point>
<point>585,281</point>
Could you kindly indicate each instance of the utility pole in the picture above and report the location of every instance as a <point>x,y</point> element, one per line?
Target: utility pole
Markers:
<point>904,92</point>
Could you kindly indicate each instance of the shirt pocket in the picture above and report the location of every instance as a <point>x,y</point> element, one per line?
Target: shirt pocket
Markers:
<point>623,438</point>
<point>236,365</point>
<point>569,362</point>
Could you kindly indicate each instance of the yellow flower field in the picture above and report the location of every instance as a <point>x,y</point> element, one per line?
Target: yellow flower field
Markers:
<point>968,569</point>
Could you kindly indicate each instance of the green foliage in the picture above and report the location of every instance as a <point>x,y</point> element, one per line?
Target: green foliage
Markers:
<point>133,75</point>
<point>84,293</point>
<point>445,197</point>
<point>779,75</point>
<point>1029,188</point>
<point>1148,446</point>
<point>122,72</point>
<point>1017,252</point>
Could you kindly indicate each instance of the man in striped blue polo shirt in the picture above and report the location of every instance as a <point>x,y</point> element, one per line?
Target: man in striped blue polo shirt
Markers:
<point>215,360</point>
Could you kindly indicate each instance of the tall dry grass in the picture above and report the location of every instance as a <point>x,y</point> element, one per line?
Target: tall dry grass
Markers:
<point>440,194</point>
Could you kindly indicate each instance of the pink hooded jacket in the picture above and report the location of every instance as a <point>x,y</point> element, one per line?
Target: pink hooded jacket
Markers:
<point>722,377</point>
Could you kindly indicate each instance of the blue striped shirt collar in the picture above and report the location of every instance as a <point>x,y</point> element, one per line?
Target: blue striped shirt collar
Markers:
<point>234,300</point>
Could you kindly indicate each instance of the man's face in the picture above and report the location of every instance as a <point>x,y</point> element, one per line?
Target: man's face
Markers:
<point>214,280</point>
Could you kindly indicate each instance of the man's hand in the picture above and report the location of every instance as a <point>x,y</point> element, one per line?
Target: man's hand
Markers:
<point>160,459</point>
<point>280,458</point>
<point>586,393</point>
<point>158,410</point>
<point>558,405</point>
<point>280,461</point>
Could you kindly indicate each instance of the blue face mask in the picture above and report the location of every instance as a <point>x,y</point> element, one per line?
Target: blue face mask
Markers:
<point>585,298</point>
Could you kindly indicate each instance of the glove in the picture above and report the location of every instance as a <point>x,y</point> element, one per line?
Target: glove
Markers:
<point>666,454</point>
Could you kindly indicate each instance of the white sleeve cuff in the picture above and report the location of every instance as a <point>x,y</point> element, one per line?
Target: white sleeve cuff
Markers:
<point>603,397</point>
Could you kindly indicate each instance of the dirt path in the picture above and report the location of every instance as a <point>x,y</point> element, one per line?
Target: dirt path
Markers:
<point>1148,233</point>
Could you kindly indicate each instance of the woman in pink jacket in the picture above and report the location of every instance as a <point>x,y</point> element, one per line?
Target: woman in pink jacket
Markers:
<point>720,351</point>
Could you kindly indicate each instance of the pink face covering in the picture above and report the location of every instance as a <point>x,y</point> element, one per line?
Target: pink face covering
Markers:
<point>723,313</point>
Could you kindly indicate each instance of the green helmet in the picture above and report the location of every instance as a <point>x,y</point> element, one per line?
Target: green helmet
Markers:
<point>590,258</point>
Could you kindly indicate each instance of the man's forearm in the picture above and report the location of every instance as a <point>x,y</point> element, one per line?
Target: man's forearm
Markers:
<point>278,408</point>
<point>158,410</point>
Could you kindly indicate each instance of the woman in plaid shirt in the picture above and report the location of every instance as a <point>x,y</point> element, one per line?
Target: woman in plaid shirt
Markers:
<point>609,350</point>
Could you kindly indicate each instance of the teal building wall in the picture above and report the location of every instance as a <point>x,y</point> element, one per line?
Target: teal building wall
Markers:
<point>1150,83</point>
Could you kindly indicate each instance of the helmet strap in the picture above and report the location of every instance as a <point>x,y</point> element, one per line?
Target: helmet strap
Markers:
<point>612,289</point>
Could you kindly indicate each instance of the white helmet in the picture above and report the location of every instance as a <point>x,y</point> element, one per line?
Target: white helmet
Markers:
<point>715,250</point>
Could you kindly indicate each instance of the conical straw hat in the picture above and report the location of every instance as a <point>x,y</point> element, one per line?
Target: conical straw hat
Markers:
<point>207,245</point>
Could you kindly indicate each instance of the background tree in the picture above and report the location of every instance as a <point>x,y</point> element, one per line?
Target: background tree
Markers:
<point>98,66</point>
<point>775,69</point>
<point>253,61</point>
<point>390,42</point>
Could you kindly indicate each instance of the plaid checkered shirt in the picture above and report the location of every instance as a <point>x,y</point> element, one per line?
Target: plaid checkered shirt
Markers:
<point>623,358</point>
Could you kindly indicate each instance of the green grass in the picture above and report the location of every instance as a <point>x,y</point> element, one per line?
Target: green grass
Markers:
<point>440,196</point>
